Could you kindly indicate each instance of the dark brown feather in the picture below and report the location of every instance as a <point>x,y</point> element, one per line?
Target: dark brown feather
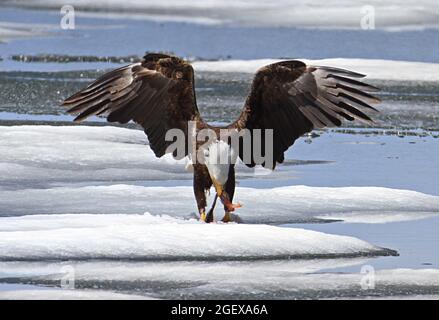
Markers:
<point>289,97</point>
<point>293,99</point>
<point>157,93</point>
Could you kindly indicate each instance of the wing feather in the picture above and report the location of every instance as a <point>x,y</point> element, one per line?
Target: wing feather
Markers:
<point>292,99</point>
<point>157,93</point>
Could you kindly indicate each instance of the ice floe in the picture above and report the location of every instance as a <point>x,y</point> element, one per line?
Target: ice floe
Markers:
<point>374,68</point>
<point>277,205</point>
<point>25,292</point>
<point>269,279</point>
<point>303,13</point>
<point>147,237</point>
<point>12,30</point>
<point>80,169</point>
<point>44,154</point>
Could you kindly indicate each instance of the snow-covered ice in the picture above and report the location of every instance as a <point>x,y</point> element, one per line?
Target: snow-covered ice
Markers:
<point>93,270</point>
<point>48,154</point>
<point>59,209</point>
<point>26,292</point>
<point>40,164</point>
<point>148,237</point>
<point>10,31</point>
<point>374,68</point>
<point>77,215</point>
<point>269,279</point>
<point>75,197</point>
<point>391,15</point>
<point>276,205</point>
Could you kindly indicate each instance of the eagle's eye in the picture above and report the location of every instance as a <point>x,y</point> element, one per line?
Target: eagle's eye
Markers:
<point>206,153</point>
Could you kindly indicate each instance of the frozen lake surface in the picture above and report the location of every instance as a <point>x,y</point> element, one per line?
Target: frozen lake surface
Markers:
<point>90,205</point>
<point>77,195</point>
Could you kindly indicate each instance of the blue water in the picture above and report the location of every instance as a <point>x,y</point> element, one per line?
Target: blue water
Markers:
<point>98,36</point>
<point>415,241</point>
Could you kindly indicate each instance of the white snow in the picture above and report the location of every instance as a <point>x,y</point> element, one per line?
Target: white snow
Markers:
<point>49,154</point>
<point>150,237</point>
<point>374,68</point>
<point>93,270</point>
<point>14,30</point>
<point>25,292</point>
<point>231,278</point>
<point>40,165</point>
<point>276,205</point>
<point>389,14</point>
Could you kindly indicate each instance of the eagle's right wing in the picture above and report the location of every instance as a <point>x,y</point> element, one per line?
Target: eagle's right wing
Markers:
<point>157,93</point>
<point>292,98</point>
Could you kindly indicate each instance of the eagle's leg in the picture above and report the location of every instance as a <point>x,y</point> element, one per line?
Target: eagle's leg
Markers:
<point>202,183</point>
<point>200,197</point>
<point>209,216</point>
<point>230,189</point>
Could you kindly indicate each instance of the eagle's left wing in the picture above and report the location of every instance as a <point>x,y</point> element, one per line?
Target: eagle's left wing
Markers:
<point>157,93</point>
<point>292,99</point>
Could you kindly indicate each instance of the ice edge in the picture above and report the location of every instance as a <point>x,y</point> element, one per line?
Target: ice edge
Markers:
<point>378,252</point>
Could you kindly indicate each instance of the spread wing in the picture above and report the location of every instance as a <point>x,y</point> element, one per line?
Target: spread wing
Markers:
<point>292,99</point>
<point>157,93</point>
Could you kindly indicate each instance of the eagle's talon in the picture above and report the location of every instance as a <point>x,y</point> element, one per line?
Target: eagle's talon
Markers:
<point>209,216</point>
<point>227,217</point>
<point>203,216</point>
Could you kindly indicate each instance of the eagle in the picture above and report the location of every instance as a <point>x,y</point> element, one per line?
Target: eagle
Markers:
<point>287,99</point>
